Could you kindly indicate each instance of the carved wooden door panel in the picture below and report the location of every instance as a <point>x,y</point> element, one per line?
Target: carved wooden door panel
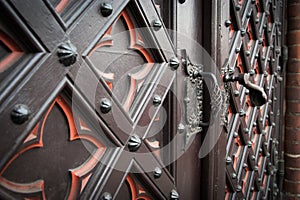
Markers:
<point>253,139</point>
<point>87,105</point>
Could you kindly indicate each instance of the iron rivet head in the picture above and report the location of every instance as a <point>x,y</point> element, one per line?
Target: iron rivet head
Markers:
<point>249,144</point>
<point>253,1</point>
<point>264,132</point>
<point>174,195</point>
<point>252,189</point>
<point>227,22</point>
<point>256,168</point>
<point>247,91</point>
<point>273,124</point>
<point>105,105</point>
<point>157,172</point>
<point>181,1</point>
<point>238,7</point>
<point>257,20</point>
<point>239,188</point>
<point>267,13</point>
<point>174,63</point>
<point>156,100</point>
<point>233,176</point>
<point>263,58</point>
<point>237,50</point>
<point>265,26</point>
<point>67,54</point>
<point>134,142</point>
<point>256,55</point>
<point>253,157</point>
<point>245,165</point>
<point>236,93</point>
<point>106,9</point>
<point>252,72</point>
<point>20,114</point>
<point>260,40</point>
<point>181,128</point>
<point>235,134</point>
<point>243,32</point>
<point>106,196</point>
<point>248,15</point>
<point>246,130</point>
<point>254,124</point>
<point>247,53</point>
<point>261,119</point>
<point>242,113</point>
<point>228,160</point>
<point>156,24</point>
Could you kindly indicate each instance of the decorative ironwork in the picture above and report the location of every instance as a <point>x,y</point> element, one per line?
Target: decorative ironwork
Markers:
<point>134,143</point>
<point>67,54</point>
<point>20,114</point>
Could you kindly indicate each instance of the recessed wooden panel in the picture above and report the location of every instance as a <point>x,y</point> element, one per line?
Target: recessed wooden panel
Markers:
<point>56,159</point>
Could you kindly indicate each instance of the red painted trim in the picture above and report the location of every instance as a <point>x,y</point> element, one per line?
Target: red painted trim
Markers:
<point>61,6</point>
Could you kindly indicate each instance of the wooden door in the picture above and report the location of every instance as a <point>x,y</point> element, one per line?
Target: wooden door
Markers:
<point>254,135</point>
<point>89,103</point>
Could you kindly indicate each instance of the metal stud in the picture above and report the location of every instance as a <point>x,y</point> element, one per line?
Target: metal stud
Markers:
<point>181,128</point>
<point>174,63</point>
<point>253,157</point>
<point>67,53</point>
<point>106,196</point>
<point>247,53</point>
<point>260,40</point>
<point>235,134</point>
<point>156,24</point>
<point>237,50</point>
<point>249,144</point>
<point>174,195</point>
<point>238,7</point>
<point>252,72</point>
<point>181,1</point>
<point>233,175</point>
<point>134,142</point>
<point>156,100</point>
<point>228,160</point>
<point>157,172</point>
<point>105,105</point>
<point>20,114</point>
<point>236,93</point>
<point>239,188</point>
<point>227,22</point>
<point>256,168</point>
<point>245,165</point>
<point>242,113</point>
<point>246,130</point>
<point>243,32</point>
<point>106,9</point>
<point>253,1</point>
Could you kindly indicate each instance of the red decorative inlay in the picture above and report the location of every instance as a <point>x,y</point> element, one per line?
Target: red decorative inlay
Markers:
<point>15,54</point>
<point>136,43</point>
<point>79,175</point>
<point>61,6</point>
<point>137,191</point>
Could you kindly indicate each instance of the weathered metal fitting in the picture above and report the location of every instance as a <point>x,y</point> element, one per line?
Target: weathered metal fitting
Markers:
<point>20,114</point>
<point>106,9</point>
<point>105,105</point>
